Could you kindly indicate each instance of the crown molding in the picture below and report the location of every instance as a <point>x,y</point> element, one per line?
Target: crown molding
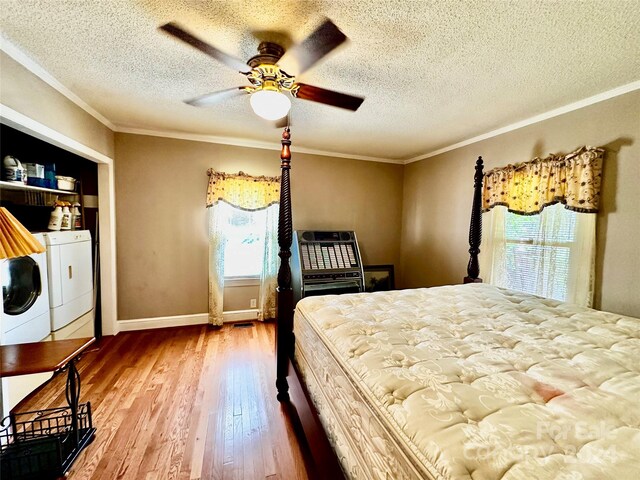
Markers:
<point>27,62</point>
<point>623,89</point>
<point>241,142</point>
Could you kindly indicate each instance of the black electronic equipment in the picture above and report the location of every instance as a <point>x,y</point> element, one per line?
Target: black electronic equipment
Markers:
<point>325,263</point>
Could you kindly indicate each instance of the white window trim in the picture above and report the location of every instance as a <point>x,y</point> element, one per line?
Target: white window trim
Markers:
<point>251,281</point>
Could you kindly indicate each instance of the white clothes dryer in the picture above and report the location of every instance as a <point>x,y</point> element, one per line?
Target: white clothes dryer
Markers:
<point>70,276</point>
<point>24,317</point>
<point>25,294</point>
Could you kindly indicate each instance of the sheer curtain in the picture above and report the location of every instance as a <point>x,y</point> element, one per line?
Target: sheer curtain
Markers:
<point>247,193</point>
<point>217,221</point>
<point>269,275</point>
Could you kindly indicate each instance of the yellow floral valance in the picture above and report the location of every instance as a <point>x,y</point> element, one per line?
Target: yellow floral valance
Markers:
<point>242,190</point>
<point>527,188</point>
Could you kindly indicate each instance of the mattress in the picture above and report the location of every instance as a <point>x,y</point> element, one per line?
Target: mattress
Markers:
<point>472,382</point>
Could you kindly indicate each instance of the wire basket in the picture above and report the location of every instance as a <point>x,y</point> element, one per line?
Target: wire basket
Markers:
<point>41,445</point>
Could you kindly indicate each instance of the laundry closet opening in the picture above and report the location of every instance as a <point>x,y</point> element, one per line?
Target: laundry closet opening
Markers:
<point>51,295</point>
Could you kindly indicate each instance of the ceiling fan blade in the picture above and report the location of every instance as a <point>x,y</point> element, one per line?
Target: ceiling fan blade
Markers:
<point>322,95</point>
<point>303,56</point>
<point>229,60</point>
<point>209,99</point>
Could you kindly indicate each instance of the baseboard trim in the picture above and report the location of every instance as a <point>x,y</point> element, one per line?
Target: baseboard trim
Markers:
<point>162,322</point>
<point>183,320</point>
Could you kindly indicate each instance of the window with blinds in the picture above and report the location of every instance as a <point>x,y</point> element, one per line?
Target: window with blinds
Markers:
<point>538,250</point>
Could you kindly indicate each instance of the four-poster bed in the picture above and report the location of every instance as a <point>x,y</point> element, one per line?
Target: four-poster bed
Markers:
<point>461,381</point>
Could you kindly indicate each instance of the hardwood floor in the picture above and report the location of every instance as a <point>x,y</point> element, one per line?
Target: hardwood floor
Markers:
<point>183,403</point>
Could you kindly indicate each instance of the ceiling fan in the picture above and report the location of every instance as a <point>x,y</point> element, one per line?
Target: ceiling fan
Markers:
<point>274,71</point>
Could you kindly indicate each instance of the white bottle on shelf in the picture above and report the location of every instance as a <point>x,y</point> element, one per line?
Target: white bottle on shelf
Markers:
<point>55,221</point>
<point>12,170</point>
<point>66,217</point>
<point>76,217</point>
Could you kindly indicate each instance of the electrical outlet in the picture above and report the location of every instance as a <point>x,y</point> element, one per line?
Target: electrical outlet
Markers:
<point>254,303</point>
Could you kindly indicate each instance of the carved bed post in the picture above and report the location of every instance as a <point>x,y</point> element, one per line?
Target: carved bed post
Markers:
<point>475,229</point>
<point>284,320</point>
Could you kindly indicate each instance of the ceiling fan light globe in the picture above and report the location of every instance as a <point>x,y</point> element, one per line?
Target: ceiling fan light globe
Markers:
<point>270,104</point>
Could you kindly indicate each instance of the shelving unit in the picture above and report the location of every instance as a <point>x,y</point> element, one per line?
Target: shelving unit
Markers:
<point>30,204</point>
<point>32,196</point>
<point>18,186</point>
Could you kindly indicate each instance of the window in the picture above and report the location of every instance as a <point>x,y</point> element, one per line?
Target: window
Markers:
<point>551,254</point>
<point>243,247</point>
<point>538,253</point>
<point>244,241</point>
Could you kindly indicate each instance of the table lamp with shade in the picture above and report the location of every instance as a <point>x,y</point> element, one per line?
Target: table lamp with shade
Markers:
<point>15,239</point>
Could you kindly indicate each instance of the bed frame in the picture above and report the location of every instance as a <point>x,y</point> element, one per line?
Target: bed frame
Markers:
<point>323,462</point>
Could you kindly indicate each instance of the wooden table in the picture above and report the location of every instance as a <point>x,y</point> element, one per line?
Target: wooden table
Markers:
<point>40,357</point>
<point>54,356</point>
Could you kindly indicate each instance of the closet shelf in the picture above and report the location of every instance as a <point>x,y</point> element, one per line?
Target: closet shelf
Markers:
<point>18,186</point>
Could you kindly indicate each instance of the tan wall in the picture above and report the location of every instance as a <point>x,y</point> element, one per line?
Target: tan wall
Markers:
<point>438,192</point>
<point>239,297</point>
<point>162,223</point>
<point>24,92</point>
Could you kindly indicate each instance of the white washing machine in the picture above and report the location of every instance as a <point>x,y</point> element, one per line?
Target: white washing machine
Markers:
<point>24,317</point>
<point>25,293</point>
<point>70,276</point>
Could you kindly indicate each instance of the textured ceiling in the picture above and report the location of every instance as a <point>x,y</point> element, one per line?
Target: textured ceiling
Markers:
<point>433,73</point>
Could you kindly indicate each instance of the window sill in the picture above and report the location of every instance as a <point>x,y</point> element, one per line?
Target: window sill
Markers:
<point>241,281</point>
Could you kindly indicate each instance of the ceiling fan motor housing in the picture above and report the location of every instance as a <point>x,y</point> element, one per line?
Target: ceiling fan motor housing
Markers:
<point>265,74</point>
<point>269,54</point>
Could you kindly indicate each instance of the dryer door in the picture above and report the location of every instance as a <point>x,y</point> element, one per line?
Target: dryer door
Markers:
<point>21,284</point>
<point>76,276</point>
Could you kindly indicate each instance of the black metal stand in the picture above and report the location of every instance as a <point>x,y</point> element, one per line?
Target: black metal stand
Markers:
<point>44,444</point>
<point>79,440</point>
